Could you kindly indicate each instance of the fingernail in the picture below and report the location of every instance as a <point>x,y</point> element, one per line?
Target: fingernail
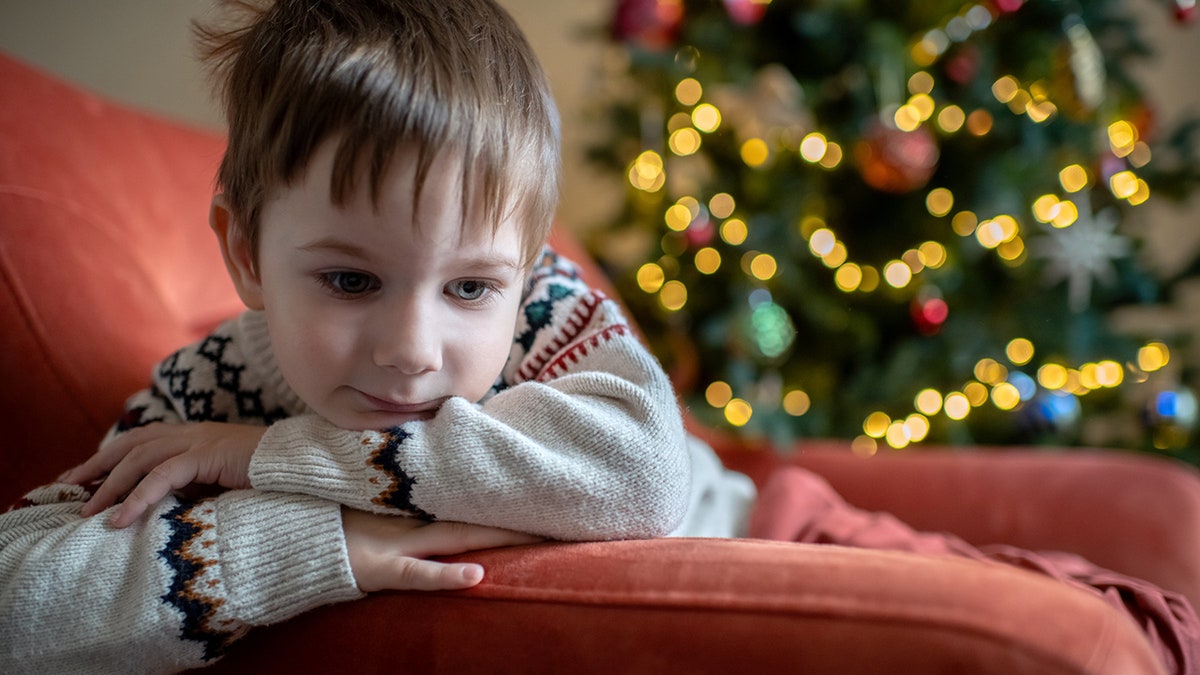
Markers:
<point>472,574</point>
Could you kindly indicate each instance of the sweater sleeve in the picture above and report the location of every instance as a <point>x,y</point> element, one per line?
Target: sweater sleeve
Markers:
<point>582,440</point>
<point>171,592</point>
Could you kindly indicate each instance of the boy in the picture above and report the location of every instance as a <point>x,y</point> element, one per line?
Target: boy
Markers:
<point>410,349</point>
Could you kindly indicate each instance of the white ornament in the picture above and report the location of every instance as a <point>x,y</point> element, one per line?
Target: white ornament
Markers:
<point>1082,251</point>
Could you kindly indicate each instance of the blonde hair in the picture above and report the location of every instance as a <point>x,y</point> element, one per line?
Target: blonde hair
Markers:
<point>450,75</point>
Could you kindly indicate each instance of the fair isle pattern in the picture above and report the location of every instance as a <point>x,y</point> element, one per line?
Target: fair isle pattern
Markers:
<point>194,580</point>
<point>205,385</point>
<point>581,322</point>
<point>398,493</point>
<point>571,355</point>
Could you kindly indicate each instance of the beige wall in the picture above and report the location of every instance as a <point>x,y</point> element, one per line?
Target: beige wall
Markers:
<point>140,51</point>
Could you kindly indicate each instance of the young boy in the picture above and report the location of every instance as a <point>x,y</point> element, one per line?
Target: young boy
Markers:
<point>410,349</point>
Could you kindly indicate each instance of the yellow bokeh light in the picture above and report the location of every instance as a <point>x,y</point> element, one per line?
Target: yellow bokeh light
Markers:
<point>1141,195</point>
<point>876,424</point>
<point>836,256</point>
<point>1140,156</point>
<point>734,231</point>
<point>721,205</point>
<point>957,406</point>
<point>1109,374</point>
<point>976,393</point>
<point>1065,215</point>
<point>822,241</point>
<point>1153,357</point>
<point>989,371</point>
<point>1011,251</point>
<point>979,122</point>
<point>933,254</point>
<point>1006,88</point>
<point>848,277</point>
<point>646,172</point>
<point>1124,184</point>
<point>907,118</point>
<point>650,277</point>
<point>796,402</point>
<point>964,223</point>
<point>913,260</point>
<point>684,142</point>
<point>923,104</point>
<point>673,295</point>
<point>1019,351</point>
<point>1073,178</point>
<point>677,217</point>
<point>679,121</point>
<point>897,273</point>
<point>864,446</point>
<point>870,280</point>
<point>951,119</point>
<point>921,82</point>
<point>706,117</point>
<point>917,427</point>
<point>718,394</point>
<point>738,412</point>
<point>1121,137</point>
<point>1052,376</point>
<point>897,435</point>
<point>763,266</point>
<point>1045,208</point>
<point>813,147</point>
<point>928,401</point>
<point>939,201</point>
<point>1005,396</point>
<point>755,152</point>
<point>688,91</point>
<point>708,260</point>
<point>833,155</point>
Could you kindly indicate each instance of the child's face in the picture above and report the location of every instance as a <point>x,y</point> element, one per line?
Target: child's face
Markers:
<point>375,320</point>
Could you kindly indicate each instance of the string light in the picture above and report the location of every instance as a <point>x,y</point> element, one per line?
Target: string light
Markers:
<point>734,231</point>
<point>796,403</point>
<point>646,172</point>
<point>688,91</point>
<point>755,152</point>
<point>706,117</point>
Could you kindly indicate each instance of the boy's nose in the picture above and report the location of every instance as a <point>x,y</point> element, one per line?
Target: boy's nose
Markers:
<point>409,341</point>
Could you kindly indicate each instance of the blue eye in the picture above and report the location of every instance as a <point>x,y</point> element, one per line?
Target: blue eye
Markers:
<point>350,283</point>
<point>469,289</point>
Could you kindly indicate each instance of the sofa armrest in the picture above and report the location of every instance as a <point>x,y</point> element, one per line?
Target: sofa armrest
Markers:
<point>704,605</point>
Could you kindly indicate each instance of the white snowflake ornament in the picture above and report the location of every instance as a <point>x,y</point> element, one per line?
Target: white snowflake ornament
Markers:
<point>1083,251</point>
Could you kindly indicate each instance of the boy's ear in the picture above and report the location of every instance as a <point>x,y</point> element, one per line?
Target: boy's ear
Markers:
<point>235,249</point>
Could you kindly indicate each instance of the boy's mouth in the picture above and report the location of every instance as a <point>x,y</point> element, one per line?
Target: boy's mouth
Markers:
<point>389,406</point>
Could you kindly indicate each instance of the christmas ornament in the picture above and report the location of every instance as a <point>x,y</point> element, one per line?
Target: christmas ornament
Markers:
<point>1006,6</point>
<point>1050,413</point>
<point>929,311</point>
<point>1079,75</point>
<point>896,161</point>
<point>1185,11</point>
<point>1081,252</point>
<point>746,12</point>
<point>962,64</point>
<point>1170,417</point>
<point>650,24</point>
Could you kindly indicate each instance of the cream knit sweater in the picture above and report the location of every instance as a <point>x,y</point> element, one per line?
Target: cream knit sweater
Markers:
<point>581,439</point>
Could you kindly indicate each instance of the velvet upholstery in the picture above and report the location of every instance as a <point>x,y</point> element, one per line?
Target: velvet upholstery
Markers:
<point>106,265</point>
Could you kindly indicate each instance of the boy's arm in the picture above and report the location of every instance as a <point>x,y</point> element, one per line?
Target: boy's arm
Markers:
<point>585,442</point>
<point>172,592</point>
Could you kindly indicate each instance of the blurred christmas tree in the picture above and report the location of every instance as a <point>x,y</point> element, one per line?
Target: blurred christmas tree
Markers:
<point>898,221</point>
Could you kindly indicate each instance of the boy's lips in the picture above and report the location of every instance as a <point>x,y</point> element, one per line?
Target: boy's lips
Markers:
<point>390,406</point>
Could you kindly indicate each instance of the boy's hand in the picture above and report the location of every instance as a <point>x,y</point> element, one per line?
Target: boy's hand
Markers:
<point>388,552</point>
<point>159,458</point>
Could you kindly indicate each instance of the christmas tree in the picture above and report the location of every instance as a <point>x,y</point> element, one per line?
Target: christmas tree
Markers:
<point>898,221</point>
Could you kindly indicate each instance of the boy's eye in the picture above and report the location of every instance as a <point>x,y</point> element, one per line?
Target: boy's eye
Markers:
<point>469,289</point>
<point>350,283</point>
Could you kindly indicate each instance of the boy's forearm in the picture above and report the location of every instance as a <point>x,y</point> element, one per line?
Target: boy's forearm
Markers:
<point>170,592</point>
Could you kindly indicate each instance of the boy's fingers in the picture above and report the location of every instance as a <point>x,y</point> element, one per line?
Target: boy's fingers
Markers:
<point>426,575</point>
<point>173,474</point>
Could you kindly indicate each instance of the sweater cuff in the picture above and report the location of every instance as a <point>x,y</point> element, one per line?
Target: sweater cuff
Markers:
<point>282,555</point>
<point>305,455</point>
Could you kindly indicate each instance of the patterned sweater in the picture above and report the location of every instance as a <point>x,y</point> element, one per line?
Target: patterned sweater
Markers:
<point>579,439</point>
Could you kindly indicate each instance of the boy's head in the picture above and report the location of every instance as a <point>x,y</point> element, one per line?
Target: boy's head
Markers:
<point>448,78</point>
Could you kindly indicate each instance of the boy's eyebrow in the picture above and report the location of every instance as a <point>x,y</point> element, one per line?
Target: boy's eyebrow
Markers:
<point>335,245</point>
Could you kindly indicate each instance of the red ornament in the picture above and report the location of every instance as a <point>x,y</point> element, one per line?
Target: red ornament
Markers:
<point>929,314</point>
<point>1185,11</point>
<point>962,64</point>
<point>1007,6</point>
<point>746,12</point>
<point>649,24</point>
<point>700,232</point>
<point>895,161</point>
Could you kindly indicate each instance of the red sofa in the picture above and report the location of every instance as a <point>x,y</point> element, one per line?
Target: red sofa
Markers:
<point>106,265</point>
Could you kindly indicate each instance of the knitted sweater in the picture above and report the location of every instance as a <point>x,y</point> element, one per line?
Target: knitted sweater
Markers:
<point>579,439</point>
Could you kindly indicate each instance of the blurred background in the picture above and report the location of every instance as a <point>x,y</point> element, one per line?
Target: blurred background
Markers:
<point>900,222</point>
